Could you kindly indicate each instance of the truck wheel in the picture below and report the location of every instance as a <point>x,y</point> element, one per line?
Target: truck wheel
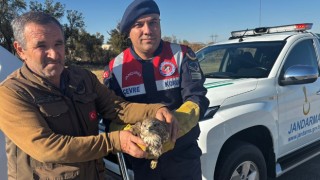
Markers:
<point>242,161</point>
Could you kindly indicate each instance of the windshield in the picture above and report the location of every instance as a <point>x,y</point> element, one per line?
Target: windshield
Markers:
<point>241,60</point>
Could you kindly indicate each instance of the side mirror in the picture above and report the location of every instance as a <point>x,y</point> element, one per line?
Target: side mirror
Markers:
<point>299,74</point>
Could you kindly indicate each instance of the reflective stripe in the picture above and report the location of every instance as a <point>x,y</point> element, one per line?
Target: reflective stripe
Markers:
<point>117,68</point>
<point>177,54</point>
<point>168,84</point>
<point>133,90</point>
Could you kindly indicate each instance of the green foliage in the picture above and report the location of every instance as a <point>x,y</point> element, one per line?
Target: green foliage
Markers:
<point>55,9</point>
<point>118,41</point>
<point>8,10</point>
<point>75,19</point>
<point>80,45</point>
<point>194,46</point>
<point>91,44</point>
<point>72,33</point>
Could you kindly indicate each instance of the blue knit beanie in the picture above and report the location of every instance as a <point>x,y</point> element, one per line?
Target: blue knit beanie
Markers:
<point>135,10</point>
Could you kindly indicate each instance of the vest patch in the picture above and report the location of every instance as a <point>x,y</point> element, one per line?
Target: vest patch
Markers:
<point>167,68</point>
<point>133,90</point>
<point>168,84</point>
<point>195,76</point>
<point>93,115</point>
<point>194,70</point>
<point>106,74</point>
<point>194,67</point>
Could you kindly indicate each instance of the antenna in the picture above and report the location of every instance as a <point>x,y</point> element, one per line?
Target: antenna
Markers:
<point>260,15</point>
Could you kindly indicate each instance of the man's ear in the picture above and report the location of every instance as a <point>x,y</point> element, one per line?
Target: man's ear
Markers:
<point>19,49</point>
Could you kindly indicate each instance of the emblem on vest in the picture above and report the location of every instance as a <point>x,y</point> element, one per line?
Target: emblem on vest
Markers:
<point>137,73</point>
<point>106,74</point>
<point>93,115</point>
<point>167,68</point>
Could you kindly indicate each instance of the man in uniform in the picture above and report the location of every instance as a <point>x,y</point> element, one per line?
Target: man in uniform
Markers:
<point>156,71</point>
<point>48,112</point>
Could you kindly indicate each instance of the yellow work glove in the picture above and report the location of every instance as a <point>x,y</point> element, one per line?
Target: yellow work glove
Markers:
<point>187,115</point>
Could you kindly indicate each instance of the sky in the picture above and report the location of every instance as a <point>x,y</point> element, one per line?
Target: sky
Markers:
<point>201,21</point>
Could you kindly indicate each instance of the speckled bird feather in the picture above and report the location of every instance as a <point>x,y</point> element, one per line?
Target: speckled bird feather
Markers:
<point>154,133</point>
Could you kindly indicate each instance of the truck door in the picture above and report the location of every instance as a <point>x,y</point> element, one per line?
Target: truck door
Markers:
<point>299,112</point>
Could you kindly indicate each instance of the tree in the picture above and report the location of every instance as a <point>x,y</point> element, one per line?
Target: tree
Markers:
<point>88,47</point>
<point>172,39</point>
<point>55,9</point>
<point>9,9</point>
<point>167,38</point>
<point>118,41</point>
<point>76,24</point>
<point>185,42</point>
<point>196,46</point>
<point>75,19</point>
<point>78,41</point>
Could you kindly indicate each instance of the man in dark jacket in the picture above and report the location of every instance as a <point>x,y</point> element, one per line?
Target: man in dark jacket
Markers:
<point>156,71</point>
<point>48,112</point>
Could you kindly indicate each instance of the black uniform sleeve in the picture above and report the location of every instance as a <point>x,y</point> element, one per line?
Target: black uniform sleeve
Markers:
<point>192,80</point>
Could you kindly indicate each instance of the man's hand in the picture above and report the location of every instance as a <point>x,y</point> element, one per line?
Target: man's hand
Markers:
<point>164,114</point>
<point>129,144</point>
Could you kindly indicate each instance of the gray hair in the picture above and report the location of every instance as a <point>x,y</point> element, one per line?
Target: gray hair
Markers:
<point>19,23</point>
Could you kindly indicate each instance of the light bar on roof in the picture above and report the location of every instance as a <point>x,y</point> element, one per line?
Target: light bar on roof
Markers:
<point>275,29</point>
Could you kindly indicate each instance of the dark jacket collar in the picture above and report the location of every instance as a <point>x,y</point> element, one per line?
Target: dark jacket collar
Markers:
<point>67,80</point>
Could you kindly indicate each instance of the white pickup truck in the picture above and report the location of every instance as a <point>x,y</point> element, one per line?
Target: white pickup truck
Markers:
<point>264,92</point>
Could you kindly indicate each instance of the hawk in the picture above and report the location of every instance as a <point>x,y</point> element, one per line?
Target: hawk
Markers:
<point>154,133</point>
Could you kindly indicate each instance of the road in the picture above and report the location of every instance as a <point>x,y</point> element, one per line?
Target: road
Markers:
<point>309,170</point>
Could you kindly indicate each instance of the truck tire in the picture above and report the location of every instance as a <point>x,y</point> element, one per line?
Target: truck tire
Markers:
<point>241,161</point>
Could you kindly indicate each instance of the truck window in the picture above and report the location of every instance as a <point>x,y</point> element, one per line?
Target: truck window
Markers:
<point>302,54</point>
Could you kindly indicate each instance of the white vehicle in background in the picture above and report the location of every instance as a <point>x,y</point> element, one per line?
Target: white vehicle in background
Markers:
<point>264,92</point>
<point>8,63</point>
